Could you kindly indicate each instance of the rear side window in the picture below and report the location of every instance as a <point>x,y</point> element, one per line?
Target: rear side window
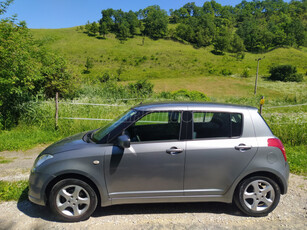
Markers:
<point>236,124</point>
<point>216,124</point>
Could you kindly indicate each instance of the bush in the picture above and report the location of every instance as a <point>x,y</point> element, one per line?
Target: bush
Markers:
<point>226,72</point>
<point>104,78</point>
<point>297,77</point>
<point>184,94</point>
<point>245,73</point>
<point>141,88</point>
<point>285,73</point>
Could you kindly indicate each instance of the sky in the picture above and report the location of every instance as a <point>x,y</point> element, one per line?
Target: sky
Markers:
<point>51,14</point>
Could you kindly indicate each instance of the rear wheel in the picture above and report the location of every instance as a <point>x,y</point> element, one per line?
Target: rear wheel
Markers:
<point>257,196</point>
<point>72,200</point>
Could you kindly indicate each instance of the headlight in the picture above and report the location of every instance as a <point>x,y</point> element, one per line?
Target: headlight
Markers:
<point>41,160</point>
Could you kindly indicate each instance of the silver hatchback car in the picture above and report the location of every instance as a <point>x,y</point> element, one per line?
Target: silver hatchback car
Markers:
<point>170,152</point>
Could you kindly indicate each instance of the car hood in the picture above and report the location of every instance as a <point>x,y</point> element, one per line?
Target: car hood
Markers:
<point>67,144</point>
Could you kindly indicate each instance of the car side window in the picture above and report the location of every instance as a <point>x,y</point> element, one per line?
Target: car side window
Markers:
<point>216,124</point>
<point>156,126</point>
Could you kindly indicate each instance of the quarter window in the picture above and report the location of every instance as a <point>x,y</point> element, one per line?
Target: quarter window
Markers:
<point>210,125</point>
<point>156,126</point>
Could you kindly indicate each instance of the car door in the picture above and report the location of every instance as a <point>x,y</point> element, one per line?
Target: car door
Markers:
<point>154,163</point>
<point>219,151</point>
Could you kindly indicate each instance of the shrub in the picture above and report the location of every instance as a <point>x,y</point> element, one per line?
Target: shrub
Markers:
<point>141,88</point>
<point>245,73</point>
<point>285,73</point>
<point>104,78</point>
<point>297,77</point>
<point>184,94</point>
<point>226,72</point>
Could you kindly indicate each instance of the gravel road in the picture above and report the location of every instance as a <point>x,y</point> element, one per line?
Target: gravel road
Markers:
<point>291,213</point>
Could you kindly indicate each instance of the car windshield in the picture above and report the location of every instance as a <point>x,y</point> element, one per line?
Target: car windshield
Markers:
<point>102,132</point>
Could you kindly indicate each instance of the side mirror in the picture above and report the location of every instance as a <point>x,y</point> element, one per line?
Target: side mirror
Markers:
<point>123,141</point>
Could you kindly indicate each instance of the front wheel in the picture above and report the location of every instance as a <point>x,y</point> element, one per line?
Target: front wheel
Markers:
<point>257,196</point>
<point>72,200</point>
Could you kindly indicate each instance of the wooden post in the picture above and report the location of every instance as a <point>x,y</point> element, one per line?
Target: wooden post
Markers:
<point>258,60</point>
<point>261,104</point>
<point>56,110</point>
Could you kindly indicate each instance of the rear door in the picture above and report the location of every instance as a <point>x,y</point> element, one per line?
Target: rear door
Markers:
<point>219,150</point>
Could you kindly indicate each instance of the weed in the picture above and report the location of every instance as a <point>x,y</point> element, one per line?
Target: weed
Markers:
<point>4,160</point>
<point>13,190</point>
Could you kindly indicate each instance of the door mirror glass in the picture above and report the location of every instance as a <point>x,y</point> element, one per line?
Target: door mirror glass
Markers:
<point>123,141</point>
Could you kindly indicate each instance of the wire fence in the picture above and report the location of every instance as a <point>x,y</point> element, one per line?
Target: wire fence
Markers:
<point>284,106</point>
<point>131,99</point>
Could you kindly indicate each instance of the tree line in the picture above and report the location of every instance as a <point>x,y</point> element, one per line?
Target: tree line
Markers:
<point>254,26</point>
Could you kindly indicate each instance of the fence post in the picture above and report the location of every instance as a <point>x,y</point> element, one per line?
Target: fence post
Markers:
<point>258,60</point>
<point>56,110</point>
<point>261,104</point>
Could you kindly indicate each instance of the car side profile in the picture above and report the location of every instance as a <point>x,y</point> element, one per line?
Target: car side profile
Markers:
<point>168,152</point>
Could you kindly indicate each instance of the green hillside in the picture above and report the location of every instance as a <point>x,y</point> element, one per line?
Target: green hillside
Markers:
<point>173,65</point>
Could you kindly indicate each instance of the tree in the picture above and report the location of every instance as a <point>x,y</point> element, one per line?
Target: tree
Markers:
<point>221,44</point>
<point>4,5</point>
<point>156,21</point>
<point>133,22</point>
<point>87,27</point>
<point>56,75</point>
<point>237,44</point>
<point>20,76</point>
<point>123,31</point>
<point>94,28</point>
<point>103,29</point>
<point>89,64</point>
<point>107,18</point>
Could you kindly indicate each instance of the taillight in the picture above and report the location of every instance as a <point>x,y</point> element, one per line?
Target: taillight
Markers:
<point>275,142</point>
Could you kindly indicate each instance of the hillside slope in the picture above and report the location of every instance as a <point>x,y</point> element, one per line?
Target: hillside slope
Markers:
<point>171,65</point>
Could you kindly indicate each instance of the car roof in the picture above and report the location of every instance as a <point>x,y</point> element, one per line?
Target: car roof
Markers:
<point>195,106</point>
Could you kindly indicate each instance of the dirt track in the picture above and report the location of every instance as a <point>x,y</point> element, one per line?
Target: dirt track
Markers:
<point>291,213</point>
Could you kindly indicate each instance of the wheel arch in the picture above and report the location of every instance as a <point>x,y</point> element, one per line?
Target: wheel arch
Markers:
<point>71,176</point>
<point>270,175</point>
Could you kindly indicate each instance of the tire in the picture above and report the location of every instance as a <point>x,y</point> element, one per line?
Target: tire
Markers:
<point>72,200</point>
<point>257,196</point>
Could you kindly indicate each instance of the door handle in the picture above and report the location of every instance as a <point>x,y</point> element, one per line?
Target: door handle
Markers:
<point>174,151</point>
<point>243,147</point>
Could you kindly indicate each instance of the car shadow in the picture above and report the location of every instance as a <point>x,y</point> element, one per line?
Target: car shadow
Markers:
<point>168,208</point>
<point>41,212</point>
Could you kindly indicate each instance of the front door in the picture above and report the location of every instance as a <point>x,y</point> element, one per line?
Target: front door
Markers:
<point>154,163</point>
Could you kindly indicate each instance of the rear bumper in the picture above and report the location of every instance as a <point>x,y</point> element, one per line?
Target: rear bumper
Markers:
<point>37,185</point>
<point>286,178</point>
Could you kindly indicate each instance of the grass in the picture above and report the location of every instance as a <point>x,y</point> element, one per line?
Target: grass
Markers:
<point>4,160</point>
<point>297,159</point>
<point>172,65</point>
<point>157,59</point>
<point>13,190</point>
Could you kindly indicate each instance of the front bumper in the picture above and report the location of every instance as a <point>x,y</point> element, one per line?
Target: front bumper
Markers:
<point>37,186</point>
